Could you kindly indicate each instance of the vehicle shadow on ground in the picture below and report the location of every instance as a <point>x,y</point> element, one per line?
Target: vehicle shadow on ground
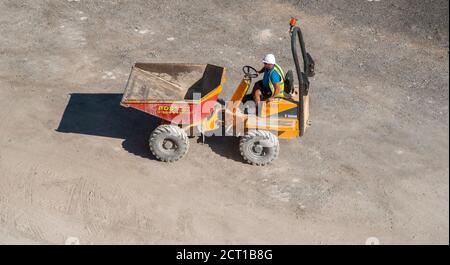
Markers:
<point>101,114</point>
<point>225,146</point>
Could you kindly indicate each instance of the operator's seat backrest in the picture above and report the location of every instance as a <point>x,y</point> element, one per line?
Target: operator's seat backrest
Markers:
<point>289,82</point>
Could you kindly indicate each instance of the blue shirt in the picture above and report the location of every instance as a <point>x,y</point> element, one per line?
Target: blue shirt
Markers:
<point>274,77</point>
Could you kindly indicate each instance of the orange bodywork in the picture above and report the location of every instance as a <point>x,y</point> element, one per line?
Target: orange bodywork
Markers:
<point>168,91</point>
<point>181,94</point>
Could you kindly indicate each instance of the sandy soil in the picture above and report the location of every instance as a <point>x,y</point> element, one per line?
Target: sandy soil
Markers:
<point>73,163</point>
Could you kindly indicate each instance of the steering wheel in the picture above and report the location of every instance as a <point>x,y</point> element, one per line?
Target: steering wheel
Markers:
<point>250,71</point>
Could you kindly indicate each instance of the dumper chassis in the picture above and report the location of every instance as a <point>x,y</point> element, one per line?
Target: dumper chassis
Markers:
<point>185,97</point>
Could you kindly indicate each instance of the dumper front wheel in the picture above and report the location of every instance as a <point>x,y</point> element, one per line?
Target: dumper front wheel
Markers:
<point>168,143</point>
<point>259,147</point>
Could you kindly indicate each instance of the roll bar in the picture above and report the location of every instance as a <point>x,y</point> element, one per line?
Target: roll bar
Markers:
<point>302,76</point>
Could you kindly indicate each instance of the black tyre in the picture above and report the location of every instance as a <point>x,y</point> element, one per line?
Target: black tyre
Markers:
<point>169,143</point>
<point>259,147</point>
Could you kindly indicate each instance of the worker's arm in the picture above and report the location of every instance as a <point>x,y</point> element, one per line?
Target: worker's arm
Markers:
<point>261,71</point>
<point>276,80</point>
<point>277,89</point>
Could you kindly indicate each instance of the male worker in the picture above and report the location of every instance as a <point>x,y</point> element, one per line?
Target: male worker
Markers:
<point>272,84</point>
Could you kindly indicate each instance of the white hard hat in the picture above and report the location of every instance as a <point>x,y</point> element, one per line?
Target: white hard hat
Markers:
<point>269,58</point>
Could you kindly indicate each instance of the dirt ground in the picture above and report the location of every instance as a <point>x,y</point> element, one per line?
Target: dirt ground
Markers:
<point>74,164</point>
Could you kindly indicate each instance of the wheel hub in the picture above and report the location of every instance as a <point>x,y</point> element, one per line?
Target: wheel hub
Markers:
<point>168,145</point>
<point>257,149</point>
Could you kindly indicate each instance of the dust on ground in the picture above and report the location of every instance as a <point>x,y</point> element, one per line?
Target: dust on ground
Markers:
<point>74,164</point>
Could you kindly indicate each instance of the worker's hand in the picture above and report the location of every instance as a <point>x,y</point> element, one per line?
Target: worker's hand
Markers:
<point>269,99</point>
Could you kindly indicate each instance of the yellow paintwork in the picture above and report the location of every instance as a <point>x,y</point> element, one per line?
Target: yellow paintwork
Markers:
<point>291,134</point>
<point>276,106</point>
<point>240,91</point>
<point>210,123</point>
<point>285,128</point>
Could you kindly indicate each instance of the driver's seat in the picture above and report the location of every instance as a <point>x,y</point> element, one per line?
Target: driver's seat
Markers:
<point>289,83</point>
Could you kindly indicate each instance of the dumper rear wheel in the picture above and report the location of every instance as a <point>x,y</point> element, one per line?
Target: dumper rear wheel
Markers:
<point>259,147</point>
<point>168,143</point>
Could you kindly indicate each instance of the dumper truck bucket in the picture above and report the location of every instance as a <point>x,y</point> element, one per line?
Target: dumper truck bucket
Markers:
<point>178,93</point>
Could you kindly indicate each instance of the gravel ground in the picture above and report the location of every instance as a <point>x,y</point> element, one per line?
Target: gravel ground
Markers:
<point>73,163</point>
